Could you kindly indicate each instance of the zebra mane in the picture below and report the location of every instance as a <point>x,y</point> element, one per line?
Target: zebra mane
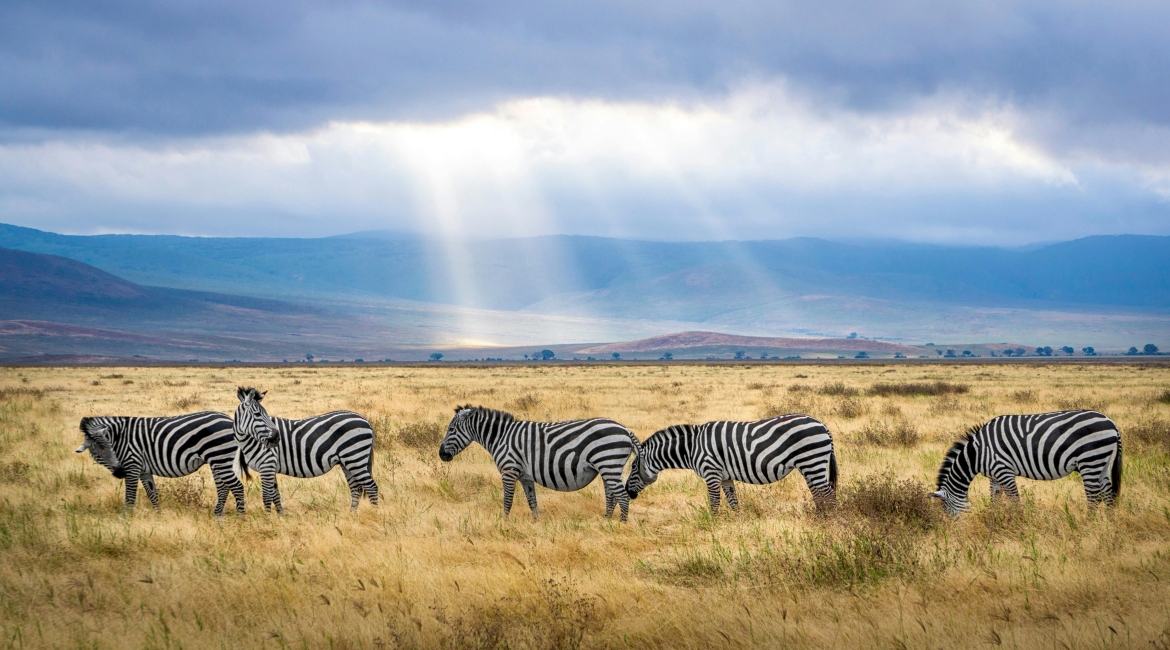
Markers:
<point>85,424</point>
<point>503,416</point>
<point>953,452</point>
<point>256,395</point>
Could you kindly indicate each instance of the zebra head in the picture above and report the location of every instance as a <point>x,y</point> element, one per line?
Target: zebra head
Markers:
<point>459,434</point>
<point>648,461</point>
<point>252,420</point>
<point>100,442</point>
<point>955,476</point>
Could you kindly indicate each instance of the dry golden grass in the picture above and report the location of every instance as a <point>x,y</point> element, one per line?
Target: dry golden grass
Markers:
<point>437,564</point>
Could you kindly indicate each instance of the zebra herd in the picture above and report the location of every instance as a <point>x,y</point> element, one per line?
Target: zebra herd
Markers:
<point>567,456</point>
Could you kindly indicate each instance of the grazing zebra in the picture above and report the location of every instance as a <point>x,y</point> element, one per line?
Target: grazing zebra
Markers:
<point>1044,446</point>
<point>564,456</point>
<point>138,449</point>
<point>752,452</point>
<point>303,448</point>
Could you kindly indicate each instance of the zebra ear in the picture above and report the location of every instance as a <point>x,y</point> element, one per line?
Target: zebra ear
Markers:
<point>82,448</point>
<point>241,393</point>
<point>936,495</point>
<point>260,396</point>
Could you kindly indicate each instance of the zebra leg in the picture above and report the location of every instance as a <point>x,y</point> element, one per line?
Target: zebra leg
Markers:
<point>713,485</point>
<point>732,500</point>
<point>276,496</point>
<point>221,492</point>
<point>371,490</point>
<point>1005,482</point>
<point>509,478</point>
<point>615,491</point>
<point>131,489</point>
<point>237,488</point>
<point>151,490</point>
<point>1097,487</point>
<point>530,494</point>
<point>995,490</point>
<point>355,488</point>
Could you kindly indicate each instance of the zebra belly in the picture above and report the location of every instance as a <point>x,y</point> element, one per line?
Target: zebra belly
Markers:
<point>582,477</point>
<point>186,466</point>
<point>764,477</point>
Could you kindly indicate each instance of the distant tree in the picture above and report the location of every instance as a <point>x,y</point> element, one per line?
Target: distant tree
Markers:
<point>899,355</point>
<point>950,353</point>
<point>435,356</point>
<point>1008,352</point>
<point>308,357</point>
<point>940,352</point>
<point>359,360</point>
<point>547,355</point>
<point>967,353</point>
<point>1150,349</point>
<point>739,354</point>
<point>1132,350</point>
<point>852,335</point>
<point>930,345</point>
<point>862,355</point>
<point>1068,349</point>
<point>1020,352</point>
<point>764,356</point>
<point>616,356</point>
<point>590,359</point>
<point>667,356</point>
<point>1089,351</point>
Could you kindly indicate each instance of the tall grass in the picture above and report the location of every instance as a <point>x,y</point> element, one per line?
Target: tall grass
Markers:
<point>437,565</point>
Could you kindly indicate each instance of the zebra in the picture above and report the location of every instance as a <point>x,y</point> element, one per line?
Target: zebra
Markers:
<point>303,448</point>
<point>759,452</point>
<point>1044,446</point>
<point>138,449</point>
<point>564,456</point>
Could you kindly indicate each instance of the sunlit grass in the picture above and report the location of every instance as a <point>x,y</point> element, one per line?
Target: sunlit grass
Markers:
<point>437,564</point>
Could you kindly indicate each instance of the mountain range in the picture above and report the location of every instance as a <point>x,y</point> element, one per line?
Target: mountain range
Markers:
<point>378,295</point>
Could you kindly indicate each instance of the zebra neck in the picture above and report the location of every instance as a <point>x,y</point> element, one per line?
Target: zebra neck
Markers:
<point>670,449</point>
<point>491,435</point>
<point>963,463</point>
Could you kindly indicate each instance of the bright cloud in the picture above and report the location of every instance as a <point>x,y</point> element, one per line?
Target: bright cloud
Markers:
<point>759,162</point>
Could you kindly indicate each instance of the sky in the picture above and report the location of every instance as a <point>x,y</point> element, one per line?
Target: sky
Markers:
<point>968,123</point>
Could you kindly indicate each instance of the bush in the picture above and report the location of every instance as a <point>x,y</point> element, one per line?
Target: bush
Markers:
<point>421,434</point>
<point>883,500</point>
<point>838,388</point>
<point>186,402</point>
<point>1151,431</point>
<point>883,434</point>
<point>21,391</point>
<point>850,407</point>
<point>885,389</point>
<point>524,403</point>
<point>1024,396</point>
<point>1164,397</point>
<point>186,490</point>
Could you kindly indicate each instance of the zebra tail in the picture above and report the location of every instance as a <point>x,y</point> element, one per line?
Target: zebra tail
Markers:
<point>240,466</point>
<point>833,470</point>
<point>1115,474</point>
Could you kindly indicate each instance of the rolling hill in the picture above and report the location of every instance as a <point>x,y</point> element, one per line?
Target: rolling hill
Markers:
<point>402,292</point>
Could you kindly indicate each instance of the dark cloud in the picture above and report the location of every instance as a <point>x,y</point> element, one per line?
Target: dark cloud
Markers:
<point>171,68</point>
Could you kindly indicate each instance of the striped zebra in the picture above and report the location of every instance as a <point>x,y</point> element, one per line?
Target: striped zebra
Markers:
<point>1044,446</point>
<point>138,449</point>
<point>564,456</point>
<point>752,452</point>
<point>302,448</point>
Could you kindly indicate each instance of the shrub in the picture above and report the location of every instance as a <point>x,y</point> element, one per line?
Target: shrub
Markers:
<point>421,434</point>
<point>883,434</point>
<point>850,407</point>
<point>882,500</point>
<point>885,389</point>
<point>1164,397</point>
<point>186,402</point>
<point>186,490</point>
<point>838,388</point>
<point>1151,431</point>
<point>1024,396</point>
<point>525,402</point>
<point>944,404</point>
<point>21,391</point>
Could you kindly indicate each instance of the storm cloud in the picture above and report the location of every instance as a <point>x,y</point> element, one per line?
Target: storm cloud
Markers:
<point>954,121</point>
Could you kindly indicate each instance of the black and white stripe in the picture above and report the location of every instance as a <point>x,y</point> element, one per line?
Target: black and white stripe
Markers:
<point>752,452</point>
<point>564,456</point>
<point>1044,447</point>
<point>138,449</point>
<point>303,448</point>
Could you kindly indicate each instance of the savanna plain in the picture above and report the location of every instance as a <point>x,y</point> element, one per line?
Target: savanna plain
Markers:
<point>438,565</point>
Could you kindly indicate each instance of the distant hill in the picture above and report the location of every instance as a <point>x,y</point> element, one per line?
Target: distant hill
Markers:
<point>695,340</point>
<point>1100,291</point>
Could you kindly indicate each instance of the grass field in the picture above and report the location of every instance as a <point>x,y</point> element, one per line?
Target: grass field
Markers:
<point>436,565</point>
